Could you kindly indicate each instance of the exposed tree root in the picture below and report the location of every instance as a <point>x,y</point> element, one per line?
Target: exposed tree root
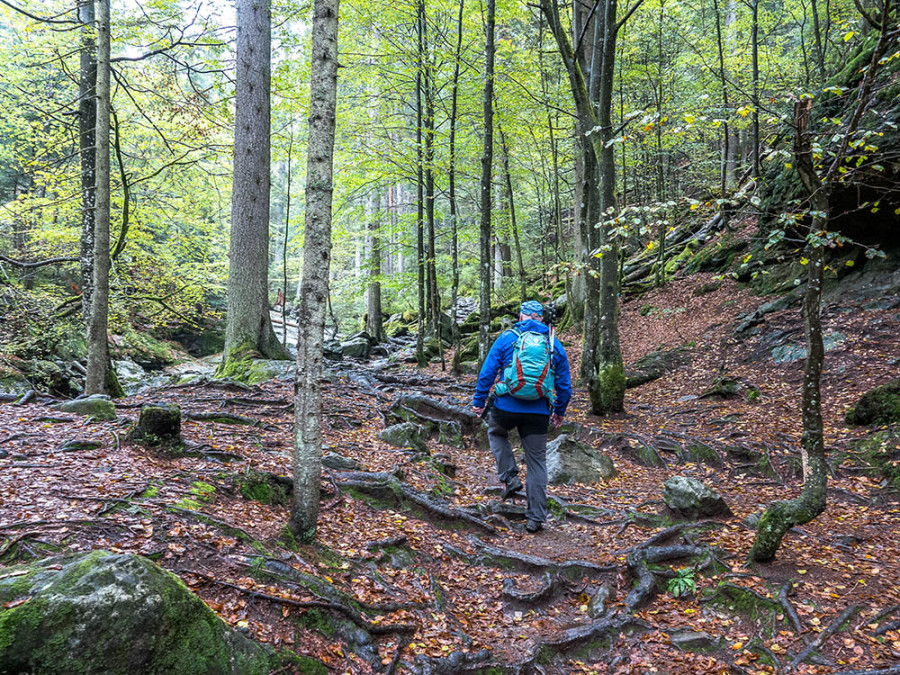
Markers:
<point>381,486</point>
<point>533,562</point>
<point>891,670</point>
<point>789,608</point>
<point>229,418</point>
<point>543,593</point>
<point>837,624</point>
<point>638,564</point>
<point>344,610</point>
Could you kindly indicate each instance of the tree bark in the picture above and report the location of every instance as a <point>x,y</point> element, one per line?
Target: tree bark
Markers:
<point>87,126</point>
<point>451,179</point>
<point>420,184</point>
<point>487,161</point>
<point>723,80</point>
<point>248,329</point>
<point>98,365</point>
<point>316,264</point>
<point>374,323</point>
<point>510,198</point>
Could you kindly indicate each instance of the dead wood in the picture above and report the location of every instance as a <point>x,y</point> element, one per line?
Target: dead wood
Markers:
<point>533,562</point>
<point>832,628</point>
<point>399,540</point>
<point>789,608</point>
<point>638,564</point>
<point>26,397</point>
<point>9,543</point>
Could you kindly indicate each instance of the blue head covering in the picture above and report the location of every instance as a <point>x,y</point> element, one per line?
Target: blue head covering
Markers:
<point>532,307</point>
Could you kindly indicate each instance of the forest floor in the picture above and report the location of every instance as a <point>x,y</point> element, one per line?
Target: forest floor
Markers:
<point>426,591</point>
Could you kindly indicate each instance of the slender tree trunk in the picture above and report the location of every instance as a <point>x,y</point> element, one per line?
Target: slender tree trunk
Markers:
<point>434,299</point>
<point>523,279</point>
<point>287,229</point>
<point>451,179</point>
<point>420,185</point>
<point>248,330</point>
<point>374,325</point>
<point>87,127</point>
<point>98,365</point>
<point>316,265</point>
<point>723,79</point>
<point>783,515</point>
<point>817,34</point>
<point>487,161</point>
<point>754,42</point>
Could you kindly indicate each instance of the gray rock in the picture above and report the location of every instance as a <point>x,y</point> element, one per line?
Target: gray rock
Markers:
<point>598,602</point>
<point>97,406</point>
<point>117,614</point>
<point>333,460</point>
<point>263,370</point>
<point>571,461</point>
<point>131,376</point>
<point>692,499</point>
<point>792,351</point>
<point>694,641</point>
<point>405,435</point>
<point>356,349</point>
<point>331,350</point>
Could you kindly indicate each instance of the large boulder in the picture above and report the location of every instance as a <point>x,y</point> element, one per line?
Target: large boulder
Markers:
<point>692,499</point>
<point>98,406</point>
<point>654,365</point>
<point>331,350</point>
<point>117,614</point>
<point>357,348</point>
<point>571,461</point>
<point>880,405</point>
<point>405,435</point>
<point>158,424</point>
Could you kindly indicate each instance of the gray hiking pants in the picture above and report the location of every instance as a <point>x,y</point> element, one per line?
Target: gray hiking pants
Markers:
<point>532,430</point>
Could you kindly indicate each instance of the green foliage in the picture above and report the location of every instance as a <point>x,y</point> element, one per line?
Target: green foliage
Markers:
<point>683,583</point>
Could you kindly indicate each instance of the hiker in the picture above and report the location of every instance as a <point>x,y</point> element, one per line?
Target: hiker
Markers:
<point>533,393</point>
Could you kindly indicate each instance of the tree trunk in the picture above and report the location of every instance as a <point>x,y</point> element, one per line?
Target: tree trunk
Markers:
<point>434,299</point>
<point>754,42</point>
<point>87,126</point>
<point>316,265</point>
<point>523,279</point>
<point>287,230</point>
<point>98,365</point>
<point>487,161</point>
<point>248,329</point>
<point>374,325</point>
<point>451,179</point>
<point>723,80</point>
<point>420,185</point>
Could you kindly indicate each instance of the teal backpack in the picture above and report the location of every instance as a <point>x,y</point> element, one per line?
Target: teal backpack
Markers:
<point>530,374</point>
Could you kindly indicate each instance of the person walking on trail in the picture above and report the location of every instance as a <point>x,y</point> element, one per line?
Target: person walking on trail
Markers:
<point>533,392</point>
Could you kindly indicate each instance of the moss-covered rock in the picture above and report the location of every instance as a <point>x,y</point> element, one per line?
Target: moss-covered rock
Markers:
<point>158,424</point>
<point>116,614</point>
<point>405,435</point>
<point>654,365</point>
<point>690,498</point>
<point>99,407</point>
<point>877,406</point>
<point>877,454</point>
<point>569,460</point>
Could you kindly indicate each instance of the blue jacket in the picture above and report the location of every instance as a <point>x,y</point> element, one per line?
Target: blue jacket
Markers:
<point>500,357</point>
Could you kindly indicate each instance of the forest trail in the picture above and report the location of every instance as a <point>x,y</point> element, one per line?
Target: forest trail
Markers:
<point>419,567</point>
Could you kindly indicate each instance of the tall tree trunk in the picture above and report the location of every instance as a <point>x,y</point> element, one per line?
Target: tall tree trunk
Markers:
<point>420,185</point>
<point>287,229</point>
<point>754,42</point>
<point>248,329</point>
<point>510,198</point>
<point>783,515</point>
<point>316,265</point>
<point>817,34</point>
<point>98,365</point>
<point>487,161</point>
<point>434,299</point>
<point>374,324</point>
<point>87,126</point>
<point>451,179</point>
<point>723,80</point>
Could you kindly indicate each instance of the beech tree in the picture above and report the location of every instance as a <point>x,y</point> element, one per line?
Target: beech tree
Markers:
<point>313,298</point>
<point>248,330</point>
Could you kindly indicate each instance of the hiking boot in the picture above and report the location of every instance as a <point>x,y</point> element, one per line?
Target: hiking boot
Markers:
<point>513,485</point>
<point>533,526</point>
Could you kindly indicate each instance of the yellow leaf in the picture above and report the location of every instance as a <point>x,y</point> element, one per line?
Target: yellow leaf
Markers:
<point>737,645</point>
<point>849,263</point>
<point>788,165</point>
<point>849,34</point>
<point>803,261</point>
<point>689,119</point>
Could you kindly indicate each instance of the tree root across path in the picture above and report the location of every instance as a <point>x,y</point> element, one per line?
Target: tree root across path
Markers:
<point>532,562</point>
<point>387,486</point>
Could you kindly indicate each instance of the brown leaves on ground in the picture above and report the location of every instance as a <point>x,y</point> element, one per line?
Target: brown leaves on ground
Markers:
<point>189,515</point>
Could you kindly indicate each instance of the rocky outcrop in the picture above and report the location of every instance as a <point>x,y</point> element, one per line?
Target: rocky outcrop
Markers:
<point>880,405</point>
<point>98,406</point>
<point>118,614</point>
<point>692,499</point>
<point>571,461</point>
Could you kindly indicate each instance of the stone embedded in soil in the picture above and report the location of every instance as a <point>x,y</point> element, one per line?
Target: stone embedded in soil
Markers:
<point>571,461</point>
<point>692,499</point>
<point>97,406</point>
<point>880,405</point>
<point>405,435</point>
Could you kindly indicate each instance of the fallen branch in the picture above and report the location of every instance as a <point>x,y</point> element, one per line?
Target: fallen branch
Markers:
<point>822,637</point>
<point>24,264</point>
<point>9,543</point>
